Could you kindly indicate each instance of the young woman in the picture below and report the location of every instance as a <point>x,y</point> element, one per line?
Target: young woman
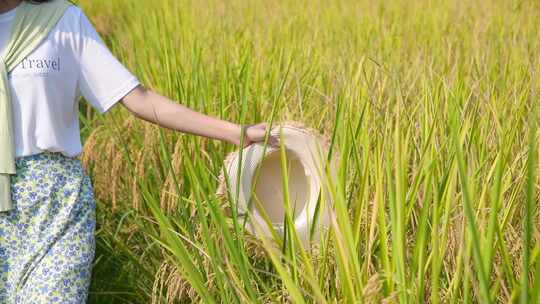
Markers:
<point>51,54</point>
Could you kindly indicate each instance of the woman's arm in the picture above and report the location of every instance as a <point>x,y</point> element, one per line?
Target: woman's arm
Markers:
<point>153,107</point>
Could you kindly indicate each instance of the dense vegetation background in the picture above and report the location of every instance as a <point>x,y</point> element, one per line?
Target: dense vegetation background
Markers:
<point>431,105</point>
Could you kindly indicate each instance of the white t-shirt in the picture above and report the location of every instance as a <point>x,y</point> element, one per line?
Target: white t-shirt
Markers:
<point>45,88</point>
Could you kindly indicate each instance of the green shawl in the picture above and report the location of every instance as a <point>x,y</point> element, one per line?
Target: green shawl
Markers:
<point>31,26</point>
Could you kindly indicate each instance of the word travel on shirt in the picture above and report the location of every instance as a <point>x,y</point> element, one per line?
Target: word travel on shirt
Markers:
<point>52,64</point>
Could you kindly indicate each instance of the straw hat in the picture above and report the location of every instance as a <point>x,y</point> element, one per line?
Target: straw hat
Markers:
<point>259,168</point>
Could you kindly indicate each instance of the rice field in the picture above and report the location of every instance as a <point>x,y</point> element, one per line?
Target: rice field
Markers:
<point>432,111</point>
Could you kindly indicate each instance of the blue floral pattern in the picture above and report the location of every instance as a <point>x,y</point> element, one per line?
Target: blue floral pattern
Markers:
<point>47,241</point>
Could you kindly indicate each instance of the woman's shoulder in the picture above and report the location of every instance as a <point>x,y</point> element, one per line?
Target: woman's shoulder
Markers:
<point>71,18</point>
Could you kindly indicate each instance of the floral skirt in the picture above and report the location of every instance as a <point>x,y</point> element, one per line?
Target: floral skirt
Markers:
<point>47,242</point>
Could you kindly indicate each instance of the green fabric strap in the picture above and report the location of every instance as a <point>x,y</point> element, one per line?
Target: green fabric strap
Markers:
<point>31,26</point>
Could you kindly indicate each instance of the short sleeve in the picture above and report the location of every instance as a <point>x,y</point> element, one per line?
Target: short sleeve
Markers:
<point>103,80</point>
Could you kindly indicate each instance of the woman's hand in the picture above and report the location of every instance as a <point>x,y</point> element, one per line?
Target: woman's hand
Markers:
<point>256,132</point>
